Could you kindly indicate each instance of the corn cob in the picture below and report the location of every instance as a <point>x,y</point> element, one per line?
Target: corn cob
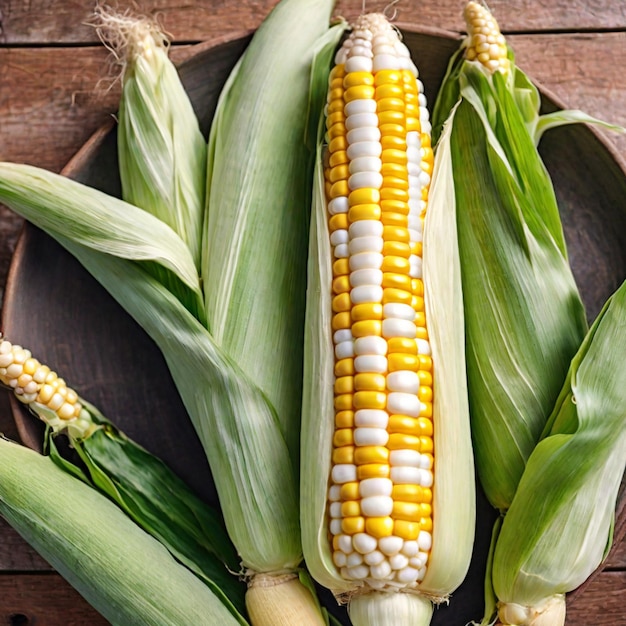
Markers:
<point>382,488</point>
<point>485,43</point>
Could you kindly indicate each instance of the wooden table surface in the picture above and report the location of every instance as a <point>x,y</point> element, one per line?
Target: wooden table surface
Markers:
<point>54,93</point>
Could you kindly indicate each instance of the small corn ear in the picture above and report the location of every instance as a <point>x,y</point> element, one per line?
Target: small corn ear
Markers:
<point>559,526</point>
<point>125,574</point>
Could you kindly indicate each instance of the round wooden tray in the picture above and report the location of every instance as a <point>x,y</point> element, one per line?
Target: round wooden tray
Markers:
<point>57,310</point>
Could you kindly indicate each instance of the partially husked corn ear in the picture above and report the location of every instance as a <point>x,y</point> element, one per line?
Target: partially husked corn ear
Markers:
<point>371,420</point>
<point>377,177</point>
<point>485,42</point>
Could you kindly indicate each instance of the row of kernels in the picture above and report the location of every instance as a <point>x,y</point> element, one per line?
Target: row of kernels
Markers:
<point>486,43</point>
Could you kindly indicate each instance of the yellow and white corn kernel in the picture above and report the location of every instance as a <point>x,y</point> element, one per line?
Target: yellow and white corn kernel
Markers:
<point>377,171</point>
<point>485,42</point>
<point>36,385</point>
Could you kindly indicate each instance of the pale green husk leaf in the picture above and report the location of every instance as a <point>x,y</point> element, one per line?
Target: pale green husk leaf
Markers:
<point>524,316</point>
<point>119,569</point>
<point>559,527</point>
<point>61,206</point>
<point>258,207</point>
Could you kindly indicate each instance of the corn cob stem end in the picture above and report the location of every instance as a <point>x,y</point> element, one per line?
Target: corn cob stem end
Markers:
<point>281,600</point>
<point>550,612</point>
<point>385,607</point>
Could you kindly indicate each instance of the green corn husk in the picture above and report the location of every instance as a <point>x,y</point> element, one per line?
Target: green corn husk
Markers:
<point>559,527</point>
<point>524,316</point>
<point>125,574</point>
<point>161,150</point>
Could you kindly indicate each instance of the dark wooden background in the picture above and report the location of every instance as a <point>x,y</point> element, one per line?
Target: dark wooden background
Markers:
<point>55,92</point>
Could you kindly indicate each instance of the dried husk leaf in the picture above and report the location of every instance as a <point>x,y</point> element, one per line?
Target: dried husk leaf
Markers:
<point>125,574</point>
<point>559,527</point>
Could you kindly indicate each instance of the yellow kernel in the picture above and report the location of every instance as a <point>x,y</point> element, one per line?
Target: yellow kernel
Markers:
<point>396,248</point>
<point>372,470</point>
<point>396,182</point>
<point>403,424</point>
<point>352,79</point>
<point>341,267</point>
<point>409,531</point>
<point>368,381</point>
<point>349,491</point>
<point>367,311</point>
<point>425,394</point>
<point>336,545</point>
<point>397,130</point>
<point>341,284</point>
<point>367,328</point>
<point>409,511</point>
<point>400,361</point>
<point>395,264</point>
<point>364,212</point>
<point>379,526</point>
<point>425,378</point>
<point>397,281</point>
<point>343,402</point>
<point>338,222</point>
<point>394,193</point>
<point>392,155</point>
<point>23,379</point>
<point>344,367</point>
<point>401,296</point>
<point>427,495</point>
<point>338,144</point>
<point>335,105</point>
<point>344,384</point>
<point>420,319</point>
<point>339,172</point>
<point>364,195</point>
<point>342,303</point>
<point>395,169</point>
<point>344,419</point>
<point>395,233</point>
<point>426,445</point>
<point>384,77</point>
<point>369,400</point>
<point>336,130</point>
<point>359,92</point>
<point>391,117</point>
<point>390,104</point>
<point>371,454</point>
<point>425,426</point>
<point>338,70</point>
<point>393,219</point>
<point>352,525</point>
<point>426,510</point>
<point>408,493</point>
<point>337,117</point>
<point>412,124</point>
<point>343,437</point>
<point>66,411</point>
<point>341,320</point>
<point>71,396</point>
<point>30,366</point>
<point>339,188</point>
<point>426,524</point>
<point>393,142</point>
<point>350,508</point>
<point>402,441</point>
<point>45,393</point>
<point>338,158</point>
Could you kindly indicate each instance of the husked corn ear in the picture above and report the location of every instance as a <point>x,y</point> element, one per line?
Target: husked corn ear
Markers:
<point>36,384</point>
<point>485,42</point>
<point>377,173</point>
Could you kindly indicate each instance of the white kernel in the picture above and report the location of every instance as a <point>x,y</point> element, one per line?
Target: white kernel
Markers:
<point>358,572</point>
<point>405,475</point>
<point>383,47</point>
<point>417,561</point>
<point>356,107</point>
<point>365,164</point>
<point>366,293</point>
<point>365,134</point>
<point>366,244</point>
<point>377,506</point>
<point>55,402</point>
<point>424,541</point>
<point>345,543</point>
<point>14,370</point>
<point>6,359</point>
<point>343,473</point>
<point>395,327</point>
<point>364,148</point>
<point>344,350</point>
<point>373,418</point>
<point>413,139</point>
<point>409,458</point>
<point>360,120</point>
<point>415,267</point>
<point>374,558</point>
<point>365,260</point>
<point>404,381</point>
<point>381,571</point>
<point>413,153</point>
<point>339,236</point>
<point>414,222</point>
<point>399,310</point>
<point>410,549</point>
<point>375,363</point>
<point>385,62</point>
<point>358,64</point>
<point>421,573</point>
<point>426,462</point>
<point>338,205</point>
<point>407,574</point>
<point>5,346</point>
<point>370,436</point>
<point>339,558</point>
<point>403,404</point>
<point>398,561</point>
<point>334,493</point>
<point>375,487</point>
<point>390,545</point>
<point>423,347</point>
<point>341,251</point>
<point>370,345</point>
<point>364,543</point>
<point>362,51</point>
<point>354,559</point>
<point>366,277</point>
<point>426,478</point>
<point>334,510</point>
<point>362,180</point>
<point>377,584</point>
<point>335,526</point>
<point>31,388</point>
<point>343,334</point>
